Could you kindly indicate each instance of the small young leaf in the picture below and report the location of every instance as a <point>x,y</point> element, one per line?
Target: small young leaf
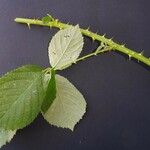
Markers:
<point>6,136</point>
<point>47,19</point>
<point>50,92</point>
<point>68,107</point>
<point>21,96</point>
<point>65,47</point>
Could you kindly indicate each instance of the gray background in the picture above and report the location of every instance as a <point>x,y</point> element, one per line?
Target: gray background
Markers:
<point>116,90</point>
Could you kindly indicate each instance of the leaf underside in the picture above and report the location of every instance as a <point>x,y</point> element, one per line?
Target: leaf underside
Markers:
<point>65,47</point>
<point>68,107</point>
<point>21,96</point>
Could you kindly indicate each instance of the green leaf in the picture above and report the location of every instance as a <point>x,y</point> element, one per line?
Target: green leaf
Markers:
<point>50,92</point>
<point>6,136</point>
<point>47,19</point>
<point>65,47</point>
<point>68,107</point>
<point>21,96</point>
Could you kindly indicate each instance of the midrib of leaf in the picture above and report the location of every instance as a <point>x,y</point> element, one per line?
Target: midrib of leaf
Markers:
<point>65,50</point>
<point>19,97</point>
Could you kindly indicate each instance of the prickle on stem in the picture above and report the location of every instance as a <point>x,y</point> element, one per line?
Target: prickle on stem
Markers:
<point>29,26</point>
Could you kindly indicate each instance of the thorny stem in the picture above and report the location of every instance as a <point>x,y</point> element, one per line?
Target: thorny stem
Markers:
<point>94,36</point>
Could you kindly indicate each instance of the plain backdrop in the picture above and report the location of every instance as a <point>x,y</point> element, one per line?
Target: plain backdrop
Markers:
<point>117,90</point>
